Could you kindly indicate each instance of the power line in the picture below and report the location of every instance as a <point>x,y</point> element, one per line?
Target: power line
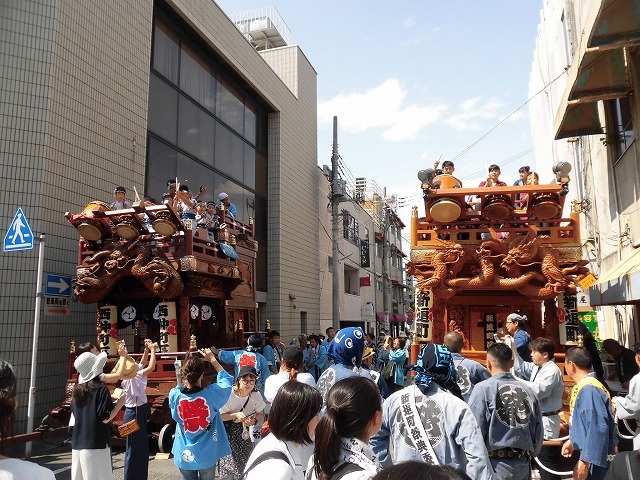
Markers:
<point>507,117</point>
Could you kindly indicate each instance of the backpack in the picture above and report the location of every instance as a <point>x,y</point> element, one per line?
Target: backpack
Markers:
<point>273,454</point>
<point>344,470</point>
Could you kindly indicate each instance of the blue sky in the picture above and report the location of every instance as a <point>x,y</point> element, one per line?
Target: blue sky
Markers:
<point>411,81</point>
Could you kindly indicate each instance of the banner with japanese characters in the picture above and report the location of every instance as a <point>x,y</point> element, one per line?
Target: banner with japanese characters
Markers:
<point>568,318</point>
<point>108,325</point>
<point>165,313</point>
<point>424,316</point>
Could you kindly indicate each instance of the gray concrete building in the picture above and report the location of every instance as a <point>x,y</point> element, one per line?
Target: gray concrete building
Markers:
<point>99,94</point>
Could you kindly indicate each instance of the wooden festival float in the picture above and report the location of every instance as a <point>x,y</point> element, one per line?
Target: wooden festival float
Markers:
<point>479,254</point>
<point>144,266</point>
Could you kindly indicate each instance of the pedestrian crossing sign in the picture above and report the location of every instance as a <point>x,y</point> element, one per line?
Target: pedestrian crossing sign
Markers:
<point>19,235</point>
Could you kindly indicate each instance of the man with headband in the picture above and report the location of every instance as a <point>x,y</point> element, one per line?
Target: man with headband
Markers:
<point>430,422</point>
<point>346,351</point>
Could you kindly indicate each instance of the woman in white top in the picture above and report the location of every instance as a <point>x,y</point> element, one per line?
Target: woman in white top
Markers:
<point>284,453</point>
<point>353,416</point>
<point>12,468</point>
<point>244,409</point>
<point>136,463</point>
<point>289,370</point>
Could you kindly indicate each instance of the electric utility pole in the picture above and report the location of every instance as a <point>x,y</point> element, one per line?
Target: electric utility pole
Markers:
<point>385,258</point>
<point>335,200</point>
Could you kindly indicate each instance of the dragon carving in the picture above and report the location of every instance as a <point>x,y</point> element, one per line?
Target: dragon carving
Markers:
<point>157,274</point>
<point>107,267</point>
<point>522,264</point>
<point>446,263</point>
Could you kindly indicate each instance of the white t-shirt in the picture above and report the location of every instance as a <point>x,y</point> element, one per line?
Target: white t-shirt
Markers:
<point>275,469</point>
<point>135,389</point>
<point>14,469</point>
<point>235,403</point>
<point>274,382</point>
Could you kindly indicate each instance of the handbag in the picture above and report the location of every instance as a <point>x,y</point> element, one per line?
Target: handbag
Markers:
<point>387,371</point>
<point>131,426</point>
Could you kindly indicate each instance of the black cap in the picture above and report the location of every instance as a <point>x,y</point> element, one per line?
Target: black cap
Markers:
<point>184,188</point>
<point>119,189</point>
<point>247,370</point>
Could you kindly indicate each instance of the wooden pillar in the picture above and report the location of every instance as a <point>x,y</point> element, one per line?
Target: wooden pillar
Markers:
<point>550,329</point>
<point>184,324</point>
<point>439,319</point>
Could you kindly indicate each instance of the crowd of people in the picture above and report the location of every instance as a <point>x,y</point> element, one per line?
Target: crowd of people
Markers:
<point>205,215</point>
<point>345,407</point>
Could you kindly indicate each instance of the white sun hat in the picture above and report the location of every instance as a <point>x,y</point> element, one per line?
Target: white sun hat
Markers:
<point>89,366</point>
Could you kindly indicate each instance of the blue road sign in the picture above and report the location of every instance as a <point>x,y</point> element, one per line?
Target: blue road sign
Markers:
<point>58,285</point>
<point>19,235</point>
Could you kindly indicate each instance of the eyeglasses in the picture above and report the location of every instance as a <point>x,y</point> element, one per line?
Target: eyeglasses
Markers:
<point>248,380</point>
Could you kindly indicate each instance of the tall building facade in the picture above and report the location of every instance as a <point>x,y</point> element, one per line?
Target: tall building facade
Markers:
<point>365,267</point>
<point>586,66</point>
<point>102,94</point>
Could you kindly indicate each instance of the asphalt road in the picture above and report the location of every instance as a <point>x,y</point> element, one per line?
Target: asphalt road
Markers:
<point>55,454</point>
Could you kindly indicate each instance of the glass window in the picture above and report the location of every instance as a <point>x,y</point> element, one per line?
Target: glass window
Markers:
<point>166,51</point>
<point>163,109</point>
<point>250,122</point>
<point>230,107</point>
<point>161,166</point>
<point>260,219</point>
<point>195,174</point>
<point>229,152</point>
<point>249,174</point>
<point>195,130</point>
<point>197,78</point>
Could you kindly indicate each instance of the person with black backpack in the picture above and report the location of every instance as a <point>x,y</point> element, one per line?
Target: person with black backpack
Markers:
<point>353,415</point>
<point>285,452</point>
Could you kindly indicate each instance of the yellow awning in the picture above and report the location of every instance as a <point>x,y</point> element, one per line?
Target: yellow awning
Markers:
<point>624,267</point>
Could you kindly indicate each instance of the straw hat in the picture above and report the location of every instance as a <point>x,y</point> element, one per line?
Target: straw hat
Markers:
<point>89,366</point>
<point>130,367</point>
<point>368,352</point>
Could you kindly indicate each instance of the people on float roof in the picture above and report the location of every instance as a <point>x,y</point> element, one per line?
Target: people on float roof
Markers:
<point>493,178</point>
<point>230,208</point>
<point>171,188</point>
<point>120,201</point>
<point>524,172</point>
<point>185,204</point>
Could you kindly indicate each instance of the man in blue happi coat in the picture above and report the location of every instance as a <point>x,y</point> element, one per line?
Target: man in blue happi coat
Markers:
<point>592,428</point>
<point>509,417</point>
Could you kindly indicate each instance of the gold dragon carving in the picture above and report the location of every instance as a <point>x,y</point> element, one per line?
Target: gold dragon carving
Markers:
<point>523,264</point>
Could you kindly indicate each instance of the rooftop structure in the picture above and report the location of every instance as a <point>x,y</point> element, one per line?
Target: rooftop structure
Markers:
<point>264,28</point>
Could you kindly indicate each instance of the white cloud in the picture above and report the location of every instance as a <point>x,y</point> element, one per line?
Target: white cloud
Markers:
<point>474,113</point>
<point>380,107</point>
<point>409,22</point>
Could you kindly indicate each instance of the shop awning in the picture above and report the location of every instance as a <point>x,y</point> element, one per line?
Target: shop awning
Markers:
<point>617,24</point>
<point>599,70</point>
<point>399,317</point>
<point>620,284</point>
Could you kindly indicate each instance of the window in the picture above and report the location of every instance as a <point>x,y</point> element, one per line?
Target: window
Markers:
<point>619,124</point>
<point>197,78</point>
<point>351,280</point>
<point>379,249</point>
<point>166,51</point>
<point>195,130</point>
<point>163,109</point>
<point>349,228</point>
